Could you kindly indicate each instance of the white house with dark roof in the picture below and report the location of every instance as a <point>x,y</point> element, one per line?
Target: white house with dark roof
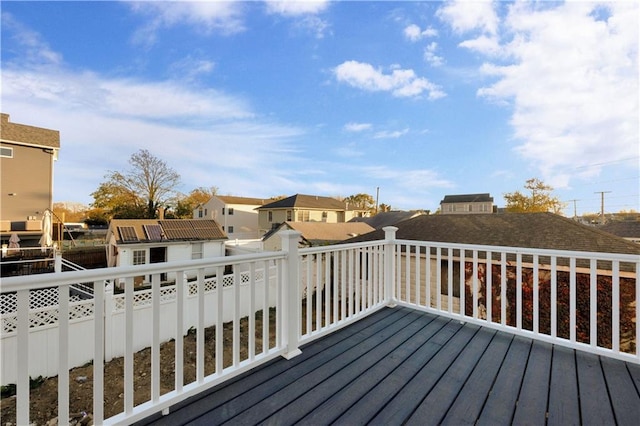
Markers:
<point>305,208</point>
<point>467,204</point>
<point>143,241</point>
<point>236,215</point>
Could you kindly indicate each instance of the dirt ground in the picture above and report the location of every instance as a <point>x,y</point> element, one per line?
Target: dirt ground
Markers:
<point>44,398</point>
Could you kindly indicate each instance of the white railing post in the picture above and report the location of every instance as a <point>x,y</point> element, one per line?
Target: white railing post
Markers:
<point>108,321</point>
<point>390,265</point>
<point>57,262</point>
<point>291,306</point>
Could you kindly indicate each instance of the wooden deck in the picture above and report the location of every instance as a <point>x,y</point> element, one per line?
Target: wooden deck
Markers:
<point>402,366</point>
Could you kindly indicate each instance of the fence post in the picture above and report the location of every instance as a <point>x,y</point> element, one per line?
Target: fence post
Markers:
<point>389,264</point>
<point>57,263</point>
<point>291,305</point>
<point>108,321</point>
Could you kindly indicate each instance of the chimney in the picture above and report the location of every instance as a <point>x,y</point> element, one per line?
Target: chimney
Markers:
<point>161,213</point>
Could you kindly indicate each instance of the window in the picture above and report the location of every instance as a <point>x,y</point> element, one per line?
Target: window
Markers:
<point>230,229</point>
<point>230,211</point>
<point>6,152</point>
<point>200,213</point>
<point>470,207</point>
<point>223,211</point>
<point>196,250</point>
<point>270,216</point>
<point>139,257</point>
<point>289,215</point>
<point>205,213</point>
<point>324,216</point>
<point>303,215</point>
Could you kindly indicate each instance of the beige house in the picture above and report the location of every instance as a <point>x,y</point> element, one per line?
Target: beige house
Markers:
<point>27,156</point>
<point>305,208</point>
<point>237,215</point>
<point>467,204</point>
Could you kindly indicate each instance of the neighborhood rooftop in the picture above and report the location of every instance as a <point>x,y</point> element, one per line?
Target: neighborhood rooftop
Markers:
<point>530,230</point>
<point>307,201</point>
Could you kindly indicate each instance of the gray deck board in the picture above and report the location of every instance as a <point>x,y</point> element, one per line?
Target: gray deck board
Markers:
<point>400,366</point>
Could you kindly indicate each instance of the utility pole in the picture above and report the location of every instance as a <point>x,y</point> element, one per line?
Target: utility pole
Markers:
<point>377,196</point>
<point>602,204</point>
<point>575,214</point>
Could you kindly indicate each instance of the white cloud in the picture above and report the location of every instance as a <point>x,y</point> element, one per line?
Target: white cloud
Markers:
<point>102,121</point>
<point>386,134</point>
<point>35,51</point>
<point>414,33</point>
<point>204,16</point>
<point>464,16</point>
<point>296,7</point>
<point>430,55</point>
<point>357,127</point>
<point>400,82</point>
<point>574,93</point>
<point>189,68</point>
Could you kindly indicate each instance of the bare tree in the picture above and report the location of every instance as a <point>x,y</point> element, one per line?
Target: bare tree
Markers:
<point>148,184</point>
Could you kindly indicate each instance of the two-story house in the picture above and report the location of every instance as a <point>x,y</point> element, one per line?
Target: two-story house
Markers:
<point>237,215</point>
<point>27,156</point>
<point>466,204</point>
<point>305,208</point>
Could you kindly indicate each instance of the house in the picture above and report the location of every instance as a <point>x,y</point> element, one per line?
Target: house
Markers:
<point>391,218</point>
<point>305,208</point>
<point>315,234</point>
<point>467,203</point>
<point>627,229</point>
<point>144,241</point>
<point>237,215</point>
<point>27,156</point>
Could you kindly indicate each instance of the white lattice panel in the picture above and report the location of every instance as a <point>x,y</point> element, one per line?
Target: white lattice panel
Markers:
<point>227,281</point>
<point>82,309</point>
<point>8,303</point>
<point>9,323</point>
<point>43,298</point>
<point>167,294</point>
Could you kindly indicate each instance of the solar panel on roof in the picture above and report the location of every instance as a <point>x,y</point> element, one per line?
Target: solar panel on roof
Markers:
<point>154,232</point>
<point>127,234</point>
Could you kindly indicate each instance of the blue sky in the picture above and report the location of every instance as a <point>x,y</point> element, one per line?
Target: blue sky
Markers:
<point>418,99</point>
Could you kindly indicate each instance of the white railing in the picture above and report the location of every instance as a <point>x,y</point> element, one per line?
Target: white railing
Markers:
<point>582,300</point>
<point>255,323</point>
<point>313,291</point>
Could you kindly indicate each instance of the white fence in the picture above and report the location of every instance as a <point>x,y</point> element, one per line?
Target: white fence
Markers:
<point>43,320</point>
<point>583,300</point>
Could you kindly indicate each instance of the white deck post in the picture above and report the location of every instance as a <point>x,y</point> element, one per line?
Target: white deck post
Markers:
<point>389,264</point>
<point>291,309</point>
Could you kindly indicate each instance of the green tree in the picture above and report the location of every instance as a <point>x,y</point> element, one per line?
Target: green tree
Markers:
<point>361,202</point>
<point>140,191</point>
<point>184,204</point>
<point>540,199</point>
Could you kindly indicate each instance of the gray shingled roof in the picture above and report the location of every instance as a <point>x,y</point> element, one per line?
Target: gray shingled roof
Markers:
<point>30,135</point>
<point>383,219</point>
<point>467,198</point>
<point>527,230</point>
<point>306,201</point>
<point>624,228</point>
